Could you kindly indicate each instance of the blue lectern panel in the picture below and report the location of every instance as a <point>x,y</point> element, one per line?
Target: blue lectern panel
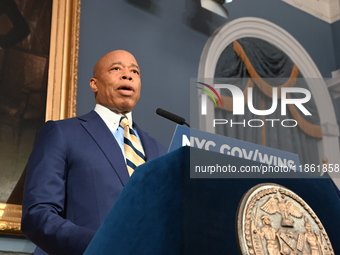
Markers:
<point>163,211</point>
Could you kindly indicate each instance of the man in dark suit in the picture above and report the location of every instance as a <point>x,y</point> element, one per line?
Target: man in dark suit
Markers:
<point>77,168</point>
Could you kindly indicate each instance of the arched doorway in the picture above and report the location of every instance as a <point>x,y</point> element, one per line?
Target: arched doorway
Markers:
<point>250,27</point>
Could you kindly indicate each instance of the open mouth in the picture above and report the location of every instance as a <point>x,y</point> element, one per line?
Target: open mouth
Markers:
<point>127,88</point>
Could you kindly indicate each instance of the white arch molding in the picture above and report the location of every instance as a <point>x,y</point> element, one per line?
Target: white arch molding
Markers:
<point>267,31</point>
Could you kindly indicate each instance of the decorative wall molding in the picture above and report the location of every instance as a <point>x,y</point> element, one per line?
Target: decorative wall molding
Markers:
<point>333,84</point>
<point>326,10</point>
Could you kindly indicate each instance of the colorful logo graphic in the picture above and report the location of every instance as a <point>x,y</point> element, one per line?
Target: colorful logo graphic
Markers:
<point>241,100</point>
<point>211,92</point>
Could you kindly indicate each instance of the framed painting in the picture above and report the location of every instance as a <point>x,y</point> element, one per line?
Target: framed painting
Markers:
<point>38,81</point>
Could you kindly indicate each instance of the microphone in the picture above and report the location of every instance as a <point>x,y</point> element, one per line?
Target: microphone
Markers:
<point>172,117</point>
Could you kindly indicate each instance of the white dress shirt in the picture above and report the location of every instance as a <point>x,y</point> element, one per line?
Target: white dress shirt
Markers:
<point>112,120</point>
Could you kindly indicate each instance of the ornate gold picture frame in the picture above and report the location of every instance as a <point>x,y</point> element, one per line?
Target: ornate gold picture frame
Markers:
<point>61,87</point>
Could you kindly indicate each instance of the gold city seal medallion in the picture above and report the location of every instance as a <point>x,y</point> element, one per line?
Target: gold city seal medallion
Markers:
<point>273,220</point>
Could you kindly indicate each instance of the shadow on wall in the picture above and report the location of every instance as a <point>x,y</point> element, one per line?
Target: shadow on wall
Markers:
<point>193,16</point>
<point>201,19</point>
<point>147,5</point>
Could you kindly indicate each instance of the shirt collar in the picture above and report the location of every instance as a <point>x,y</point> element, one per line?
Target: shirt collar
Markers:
<point>111,118</point>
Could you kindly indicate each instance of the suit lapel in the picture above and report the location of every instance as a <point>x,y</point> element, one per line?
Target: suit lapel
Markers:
<point>96,127</point>
<point>149,145</point>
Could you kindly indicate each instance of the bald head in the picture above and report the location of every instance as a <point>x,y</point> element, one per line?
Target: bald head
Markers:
<point>116,81</point>
<point>107,58</point>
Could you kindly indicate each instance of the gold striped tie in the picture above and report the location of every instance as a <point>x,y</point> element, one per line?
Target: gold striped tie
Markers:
<point>134,152</point>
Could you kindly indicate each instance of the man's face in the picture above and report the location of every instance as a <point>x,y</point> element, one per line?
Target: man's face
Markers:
<point>266,221</point>
<point>116,81</point>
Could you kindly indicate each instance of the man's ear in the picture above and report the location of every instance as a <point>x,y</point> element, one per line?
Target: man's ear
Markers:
<point>93,84</point>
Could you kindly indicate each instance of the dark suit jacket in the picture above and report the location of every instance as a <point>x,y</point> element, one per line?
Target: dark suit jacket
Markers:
<point>74,175</point>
